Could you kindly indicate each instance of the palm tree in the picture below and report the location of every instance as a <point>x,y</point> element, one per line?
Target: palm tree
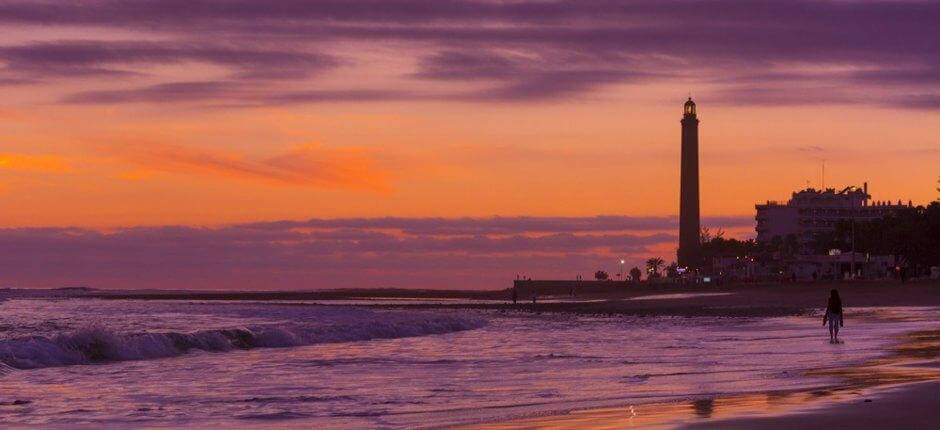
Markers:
<point>635,274</point>
<point>652,267</point>
<point>672,270</point>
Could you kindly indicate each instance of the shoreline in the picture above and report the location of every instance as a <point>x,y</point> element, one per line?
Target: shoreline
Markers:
<point>737,300</point>
<point>895,365</point>
<point>870,395</point>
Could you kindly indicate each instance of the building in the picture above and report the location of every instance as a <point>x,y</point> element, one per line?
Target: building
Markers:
<point>841,265</point>
<point>811,211</point>
<point>834,265</point>
<point>689,253</point>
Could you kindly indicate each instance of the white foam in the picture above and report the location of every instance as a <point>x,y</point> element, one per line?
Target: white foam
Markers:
<point>677,296</point>
<point>97,344</point>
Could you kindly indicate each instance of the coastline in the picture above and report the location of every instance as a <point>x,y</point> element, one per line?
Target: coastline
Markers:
<point>735,300</point>
<point>875,379</point>
<point>895,391</point>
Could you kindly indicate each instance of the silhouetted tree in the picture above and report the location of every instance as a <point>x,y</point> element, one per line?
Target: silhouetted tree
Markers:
<point>911,233</point>
<point>717,246</point>
<point>635,274</point>
<point>601,275</point>
<point>706,236</point>
<point>652,267</point>
<point>672,270</point>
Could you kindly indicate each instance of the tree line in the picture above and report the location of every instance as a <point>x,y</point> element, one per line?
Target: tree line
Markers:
<point>912,234</point>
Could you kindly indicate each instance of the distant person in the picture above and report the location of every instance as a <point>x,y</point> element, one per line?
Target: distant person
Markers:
<point>515,296</point>
<point>833,316</point>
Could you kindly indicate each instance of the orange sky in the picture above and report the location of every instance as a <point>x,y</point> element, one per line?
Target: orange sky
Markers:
<point>547,113</point>
<point>104,166</point>
<point>202,115</point>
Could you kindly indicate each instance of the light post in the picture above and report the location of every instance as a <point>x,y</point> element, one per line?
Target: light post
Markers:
<point>621,269</point>
<point>853,247</point>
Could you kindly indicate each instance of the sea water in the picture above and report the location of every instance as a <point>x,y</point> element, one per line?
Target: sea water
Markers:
<point>87,363</point>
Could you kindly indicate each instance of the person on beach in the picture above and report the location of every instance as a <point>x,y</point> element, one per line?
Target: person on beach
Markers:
<point>834,316</point>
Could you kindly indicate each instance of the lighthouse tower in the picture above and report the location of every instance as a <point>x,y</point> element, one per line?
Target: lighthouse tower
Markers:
<point>690,252</point>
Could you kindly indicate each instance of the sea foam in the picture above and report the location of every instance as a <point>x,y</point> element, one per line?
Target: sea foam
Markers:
<point>101,345</point>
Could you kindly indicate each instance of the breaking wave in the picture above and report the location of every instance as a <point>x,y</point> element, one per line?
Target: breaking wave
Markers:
<point>100,345</point>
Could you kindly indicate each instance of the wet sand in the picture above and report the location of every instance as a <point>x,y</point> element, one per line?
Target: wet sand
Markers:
<point>909,406</point>
<point>738,300</point>
<point>897,391</point>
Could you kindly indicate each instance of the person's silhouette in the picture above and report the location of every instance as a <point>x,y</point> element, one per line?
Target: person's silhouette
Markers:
<point>833,316</point>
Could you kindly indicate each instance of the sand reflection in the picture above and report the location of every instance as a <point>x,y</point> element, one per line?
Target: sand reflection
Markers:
<point>913,361</point>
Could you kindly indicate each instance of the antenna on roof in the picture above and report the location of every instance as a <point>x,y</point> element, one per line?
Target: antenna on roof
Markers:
<point>824,174</point>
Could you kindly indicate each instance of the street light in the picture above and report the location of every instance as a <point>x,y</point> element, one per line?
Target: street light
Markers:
<point>621,268</point>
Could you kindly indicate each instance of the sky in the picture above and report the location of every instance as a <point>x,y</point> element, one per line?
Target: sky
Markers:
<point>250,145</point>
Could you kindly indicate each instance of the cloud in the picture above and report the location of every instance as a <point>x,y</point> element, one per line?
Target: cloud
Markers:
<point>556,85</point>
<point>160,93</point>
<point>303,165</point>
<point>458,65</point>
<point>172,92</point>
<point>505,225</point>
<point>233,92</point>
<point>523,77</point>
<point>324,253</point>
<point>764,52</point>
<point>780,95</point>
<point>115,58</point>
<point>43,163</point>
<point>920,101</point>
<point>350,95</point>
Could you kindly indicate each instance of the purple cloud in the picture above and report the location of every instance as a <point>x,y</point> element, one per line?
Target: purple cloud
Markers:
<point>920,101</point>
<point>326,253</point>
<point>556,84</point>
<point>506,225</point>
<point>457,65</point>
<point>529,50</point>
<point>169,92</point>
<point>115,59</point>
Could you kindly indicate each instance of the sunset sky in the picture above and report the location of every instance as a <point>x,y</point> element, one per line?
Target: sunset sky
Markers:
<point>446,144</point>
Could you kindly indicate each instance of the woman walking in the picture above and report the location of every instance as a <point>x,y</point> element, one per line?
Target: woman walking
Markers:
<point>833,315</point>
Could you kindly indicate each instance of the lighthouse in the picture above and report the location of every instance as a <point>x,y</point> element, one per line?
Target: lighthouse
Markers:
<point>690,246</point>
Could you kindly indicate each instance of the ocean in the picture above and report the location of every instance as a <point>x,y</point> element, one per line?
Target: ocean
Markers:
<point>93,363</point>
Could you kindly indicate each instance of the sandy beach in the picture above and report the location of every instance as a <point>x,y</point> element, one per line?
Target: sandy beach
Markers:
<point>643,299</point>
<point>910,406</point>
<point>898,391</point>
<point>893,390</point>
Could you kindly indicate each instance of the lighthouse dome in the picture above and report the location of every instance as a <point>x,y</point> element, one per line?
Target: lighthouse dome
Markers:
<point>689,109</point>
